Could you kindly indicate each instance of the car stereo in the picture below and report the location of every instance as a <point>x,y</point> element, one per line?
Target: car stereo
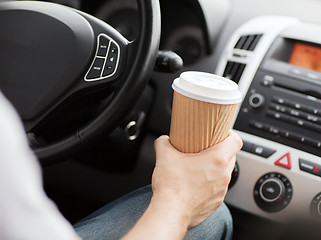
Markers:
<point>283,101</point>
<point>277,63</point>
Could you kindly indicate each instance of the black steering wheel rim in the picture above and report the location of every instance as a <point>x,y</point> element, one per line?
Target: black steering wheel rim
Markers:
<point>137,78</point>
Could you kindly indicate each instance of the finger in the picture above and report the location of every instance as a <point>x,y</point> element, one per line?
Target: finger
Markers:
<point>230,146</point>
<point>236,138</point>
<point>162,142</point>
<point>231,164</point>
<point>238,141</point>
<point>162,146</point>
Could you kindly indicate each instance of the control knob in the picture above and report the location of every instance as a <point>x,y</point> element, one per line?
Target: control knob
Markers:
<point>273,192</point>
<point>256,100</point>
<point>315,207</point>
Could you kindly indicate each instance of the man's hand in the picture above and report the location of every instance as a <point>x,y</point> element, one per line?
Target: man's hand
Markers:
<point>195,184</point>
<point>187,188</point>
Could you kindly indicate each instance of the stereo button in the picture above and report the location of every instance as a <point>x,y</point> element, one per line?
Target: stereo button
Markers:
<point>294,113</point>
<point>282,101</point>
<point>273,130</point>
<point>313,127</point>
<point>258,125</point>
<point>298,122</point>
<point>284,133</point>
<point>278,108</point>
<point>313,76</point>
<point>295,137</point>
<point>313,118</point>
<point>313,110</point>
<point>273,114</point>
<point>280,116</point>
<point>294,105</point>
<point>278,100</point>
<point>312,142</point>
<point>296,71</point>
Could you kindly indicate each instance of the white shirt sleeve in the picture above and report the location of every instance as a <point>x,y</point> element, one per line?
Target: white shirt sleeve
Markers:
<point>26,213</point>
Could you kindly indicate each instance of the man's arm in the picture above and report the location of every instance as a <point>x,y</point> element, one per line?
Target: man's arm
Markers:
<point>25,210</point>
<point>187,188</point>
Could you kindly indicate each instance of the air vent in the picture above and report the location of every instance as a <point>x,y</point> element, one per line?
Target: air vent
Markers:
<point>234,70</point>
<point>248,42</point>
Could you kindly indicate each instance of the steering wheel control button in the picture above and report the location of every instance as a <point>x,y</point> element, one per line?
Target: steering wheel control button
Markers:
<point>108,69</point>
<point>273,192</point>
<point>103,44</point>
<point>106,59</point>
<point>111,60</point>
<point>284,161</point>
<point>256,100</point>
<point>310,167</point>
<point>257,149</point>
<point>96,68</point>
<point>315,206</point>
<point>113,48</point>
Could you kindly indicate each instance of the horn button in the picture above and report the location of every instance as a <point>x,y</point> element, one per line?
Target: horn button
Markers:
<point>29,52</point>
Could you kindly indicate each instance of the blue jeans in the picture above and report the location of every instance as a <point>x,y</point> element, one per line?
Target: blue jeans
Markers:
<point>116,219</point>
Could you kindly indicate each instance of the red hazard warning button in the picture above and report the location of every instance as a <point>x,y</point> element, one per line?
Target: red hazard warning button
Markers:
<point>284,161</point>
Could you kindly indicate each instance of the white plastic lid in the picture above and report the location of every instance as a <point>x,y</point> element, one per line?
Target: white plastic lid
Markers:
<point>207,87</point>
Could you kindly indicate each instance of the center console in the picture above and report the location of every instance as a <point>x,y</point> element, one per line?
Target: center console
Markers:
<point>277,63</point>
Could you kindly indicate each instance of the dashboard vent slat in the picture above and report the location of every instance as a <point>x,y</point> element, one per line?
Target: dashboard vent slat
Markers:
<point>255,42</point>
<point>234,70</point>
<point>248,42</point>
<point>241,42</point>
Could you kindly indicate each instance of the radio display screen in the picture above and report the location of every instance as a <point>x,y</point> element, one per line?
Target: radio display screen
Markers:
<point>306,56</point>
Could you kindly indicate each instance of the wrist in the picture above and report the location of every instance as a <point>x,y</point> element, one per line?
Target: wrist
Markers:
<point>163,219</point>
<point>176,211</point>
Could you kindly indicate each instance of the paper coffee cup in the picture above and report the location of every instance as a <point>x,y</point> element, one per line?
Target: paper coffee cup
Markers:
<point>204,105</point>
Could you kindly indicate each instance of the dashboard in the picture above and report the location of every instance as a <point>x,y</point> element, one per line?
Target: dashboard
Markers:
<point>276,61</point>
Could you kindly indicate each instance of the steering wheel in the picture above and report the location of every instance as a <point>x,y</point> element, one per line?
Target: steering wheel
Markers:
<point>52,54</point>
